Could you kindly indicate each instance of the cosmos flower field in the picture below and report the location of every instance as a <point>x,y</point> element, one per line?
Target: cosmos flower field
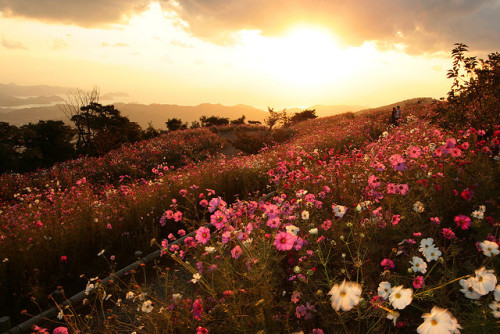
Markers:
<point>350,226</point>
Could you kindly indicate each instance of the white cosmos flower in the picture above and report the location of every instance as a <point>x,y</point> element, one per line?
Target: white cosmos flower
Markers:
<point>432,253</point>
<point>345,296</point>
<point>468,288</point>
<point>418,265</point>
<point>418,207</point>
<point>497,293</point>
<point>485,281</point>
<point>400,298</point>
<point>384,290</point>
<point>292,229</point>
<point>196,278</point>
<point>313,231</point>
<point>394,316</point>
<point>439,321</point>
<point>209,249</point>
<point>305,215</point>
<point>495,308</point>
<point>339,210</point>
<point>489,248</point>
<point>147,306</point>
<point>478,214</point>
<point>425,244</point>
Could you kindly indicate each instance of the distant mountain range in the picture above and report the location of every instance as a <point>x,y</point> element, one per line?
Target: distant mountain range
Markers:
<point>24,104</point>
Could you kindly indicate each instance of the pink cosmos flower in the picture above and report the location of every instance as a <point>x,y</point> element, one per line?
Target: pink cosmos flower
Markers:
<point>403,188</point>
<point>418,282</point>
<point>391,188</point>
<point>203,235</point>
<point>326,224</point>
<point>448,234</point>
<point>271,211</point>
<point>236,252</point>
<point>201,330</point>
<point>387,264</point>
<point>60,330</point>
<point>435,220</point>
<point>397,162</point>
<point>467,194</point>
<point>197,309</point>
<point>414,152</point>
<point>203,203</point>
<point>218,219</point>
<point>178,216</point>
<point>455,152</point>
<point>373,181</point>
<point>284,241</point>
<point>317,331</point>
<point>462,221</point>
<point>396,219</point>
<point>274,222</point>
<point>296,297</point>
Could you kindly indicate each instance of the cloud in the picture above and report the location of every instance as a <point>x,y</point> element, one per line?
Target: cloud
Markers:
<point>10,44</point>
<point>423,25</point>
<point>59,44</point>
<point>86,13</point>
<point>116,45</point>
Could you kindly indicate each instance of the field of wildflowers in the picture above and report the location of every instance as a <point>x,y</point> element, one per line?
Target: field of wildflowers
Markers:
<point>368,227</point>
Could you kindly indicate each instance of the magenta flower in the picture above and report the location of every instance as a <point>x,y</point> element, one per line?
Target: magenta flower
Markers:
<point>60,330</point>
<point>387,264</point>
<point>391,188</point>
<point>236,252</point>
<point>467,194</point>
<point>218,219</point>
<point>197,309</point>
<point>448,234</point>
<point>397,162</point>
<point>396,219</point>
<point>178,216</point>
<point>414,152</point>
<point>203,235</point>
<point>373,181</point>
<point>403,188</point>
<point>284,241</point>
<point>418,282</point>
<point>462,221</point>
<point>435,220</point>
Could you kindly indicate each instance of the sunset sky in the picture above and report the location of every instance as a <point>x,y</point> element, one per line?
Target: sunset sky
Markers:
<point>259,52</point>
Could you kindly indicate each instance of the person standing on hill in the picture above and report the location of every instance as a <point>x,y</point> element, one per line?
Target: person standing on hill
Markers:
<point>398,114</point>
<point>393,116</point>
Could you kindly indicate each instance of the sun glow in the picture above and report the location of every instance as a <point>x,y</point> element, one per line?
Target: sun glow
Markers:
<point>302,57</point>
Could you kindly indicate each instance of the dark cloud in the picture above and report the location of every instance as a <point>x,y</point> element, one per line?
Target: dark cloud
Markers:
<point>10,44</point>
<point>424,25</point>
<point>86,13</point>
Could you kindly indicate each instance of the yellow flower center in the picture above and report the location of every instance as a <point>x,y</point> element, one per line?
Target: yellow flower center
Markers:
<point>434,322</point>
<point>398,295</point>
<point>480,279</point>
<point>343,294</point>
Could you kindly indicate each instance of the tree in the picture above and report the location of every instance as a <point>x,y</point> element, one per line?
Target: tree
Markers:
<point>103,128</point>
<point>9,147</point>
<point>75,101</point>
<point>213,121</point>
<point>150,132</point>
<point>174,124</point>
<point>238,121</point>
<point>303,116</point>
<point>474,97</point>
<point>46,143</point>
<point>276,118</point>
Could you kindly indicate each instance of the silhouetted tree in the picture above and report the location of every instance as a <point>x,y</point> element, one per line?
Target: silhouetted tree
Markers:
<point>195,125</point>
<point>303,116</point>
<point>276,118</point>
<point>150,132</point>
<point>240,120</point>
<point>103,128</point>
<point>46,143</point>
<point>9,147</point>
<point>474,98</point>
<point>174,124</point>
<point>213,121</point>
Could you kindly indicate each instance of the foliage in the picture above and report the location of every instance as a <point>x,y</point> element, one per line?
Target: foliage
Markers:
<point>239,121</point>
<point>174,124</point>
<point>213,121</point>
<point>276,118</point>
<point>303,116</point>
<point>474,98</point>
